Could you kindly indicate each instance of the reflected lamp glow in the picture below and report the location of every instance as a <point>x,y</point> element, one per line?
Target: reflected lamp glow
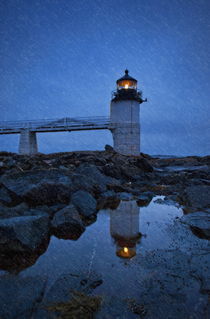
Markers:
<point>126,252</point>
<point>124,228</point>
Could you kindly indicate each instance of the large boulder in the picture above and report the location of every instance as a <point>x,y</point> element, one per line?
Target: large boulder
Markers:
<point>199,223</point>
<point>143,164</point>
<point>21,183</point>
<point>197,196</point>
<point>8,197</point>
<point>20,296</point>
<point>109,148</point>
<point>112,170</point>
<point>25,233</point>
<point>67,223</point>
<point>16,261</point>
<point>19,210</point>
<point>89,177</point>
<point>84,202</point>
<point>47,193</point>
<point>144,199</point>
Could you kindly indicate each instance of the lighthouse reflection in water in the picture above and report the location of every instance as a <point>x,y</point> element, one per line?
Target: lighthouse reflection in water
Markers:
<point>124,228</point>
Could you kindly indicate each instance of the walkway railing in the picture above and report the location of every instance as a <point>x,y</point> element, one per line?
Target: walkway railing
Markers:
<point>53,125</point>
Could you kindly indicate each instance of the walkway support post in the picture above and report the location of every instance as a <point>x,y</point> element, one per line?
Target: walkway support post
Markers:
<point>28,142</point>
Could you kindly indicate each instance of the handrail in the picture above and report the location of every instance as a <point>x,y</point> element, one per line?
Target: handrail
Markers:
<point>47,124</point>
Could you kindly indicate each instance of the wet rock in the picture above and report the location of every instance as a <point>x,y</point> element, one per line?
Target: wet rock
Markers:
<point>172,179</point>
<point>205,286</point>
<point>62,289</point>
<point>196,196</point>
<point>130,172</point>
<point>19,210</point>
<point>136,308</point>
<point>168,200</point>
<point>48,194</point>
<point>21,183</point>
<point>112,170</point>
<point>108,199</point>
<point>199,223</point>
<point>50,210</point>
<point>84,202</point>
<point>124,196</point>
<point>144,199</point>
<point>143,164</point>
<point>25,233</point>
<point>168,285</point>
<point>81,182</point>
<point>88,177</point>
<point>8,197</point>
<point>119,188</point>
<point>19,296</point>
<point>16,261</point>
<point>113,307</point>
<point>108,194</point>
<point>164,189</point>
<point>67,223</point>
<point>108,148</point>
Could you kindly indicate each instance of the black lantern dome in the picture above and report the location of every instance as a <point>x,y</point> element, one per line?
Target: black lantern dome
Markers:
<point>126,82</point>
<point>127,89</point>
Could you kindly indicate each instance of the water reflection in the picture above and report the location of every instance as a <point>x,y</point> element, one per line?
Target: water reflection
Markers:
<point>16,261</point>
<point>123,224</point>
<point>124,228</point>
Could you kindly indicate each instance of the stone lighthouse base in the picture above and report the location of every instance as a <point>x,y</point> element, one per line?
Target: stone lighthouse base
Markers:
<point>126,138</point>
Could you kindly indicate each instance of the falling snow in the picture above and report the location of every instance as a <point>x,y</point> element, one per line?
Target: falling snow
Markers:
<point>61,58</point>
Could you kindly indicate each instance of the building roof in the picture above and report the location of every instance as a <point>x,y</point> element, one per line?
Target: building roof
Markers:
<point>126,77</point>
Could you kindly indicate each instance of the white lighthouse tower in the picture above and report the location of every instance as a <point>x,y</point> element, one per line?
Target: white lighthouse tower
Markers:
<point>124,116</point>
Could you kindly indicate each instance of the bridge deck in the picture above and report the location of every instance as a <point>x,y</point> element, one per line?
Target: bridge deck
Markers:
<point>56,125</point>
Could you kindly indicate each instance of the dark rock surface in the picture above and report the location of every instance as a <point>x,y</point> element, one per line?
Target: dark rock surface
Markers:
<point>196,196</point>
<point>84,202</point>
<point>62,289</point>
<point>199,223</point>
<point>67,223</point>
<point>7,197</point>
<point>95,180</point>
<point>60,194</point>
<point>24,233</point>
<point>24,293</point>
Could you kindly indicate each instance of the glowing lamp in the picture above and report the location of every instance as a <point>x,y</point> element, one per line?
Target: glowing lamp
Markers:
<point>126,82</point>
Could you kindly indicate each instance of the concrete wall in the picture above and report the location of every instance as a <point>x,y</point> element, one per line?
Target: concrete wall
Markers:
<point>125,122</point>
<point>28,142</point>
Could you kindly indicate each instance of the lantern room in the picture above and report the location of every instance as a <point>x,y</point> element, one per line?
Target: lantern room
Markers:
<point>126,82</point>
<point>127,89</point>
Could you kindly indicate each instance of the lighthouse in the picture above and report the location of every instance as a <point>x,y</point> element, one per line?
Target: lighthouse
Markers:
<point>124,228</point>
<point>124,116</point>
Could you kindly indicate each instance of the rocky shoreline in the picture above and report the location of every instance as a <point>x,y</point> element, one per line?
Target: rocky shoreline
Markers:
<point>60,195</point>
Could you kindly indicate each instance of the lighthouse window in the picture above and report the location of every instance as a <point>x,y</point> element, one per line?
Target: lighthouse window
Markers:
<point>127,85</point>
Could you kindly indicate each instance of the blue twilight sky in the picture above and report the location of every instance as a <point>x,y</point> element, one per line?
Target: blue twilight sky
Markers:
<point>61,58</point>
